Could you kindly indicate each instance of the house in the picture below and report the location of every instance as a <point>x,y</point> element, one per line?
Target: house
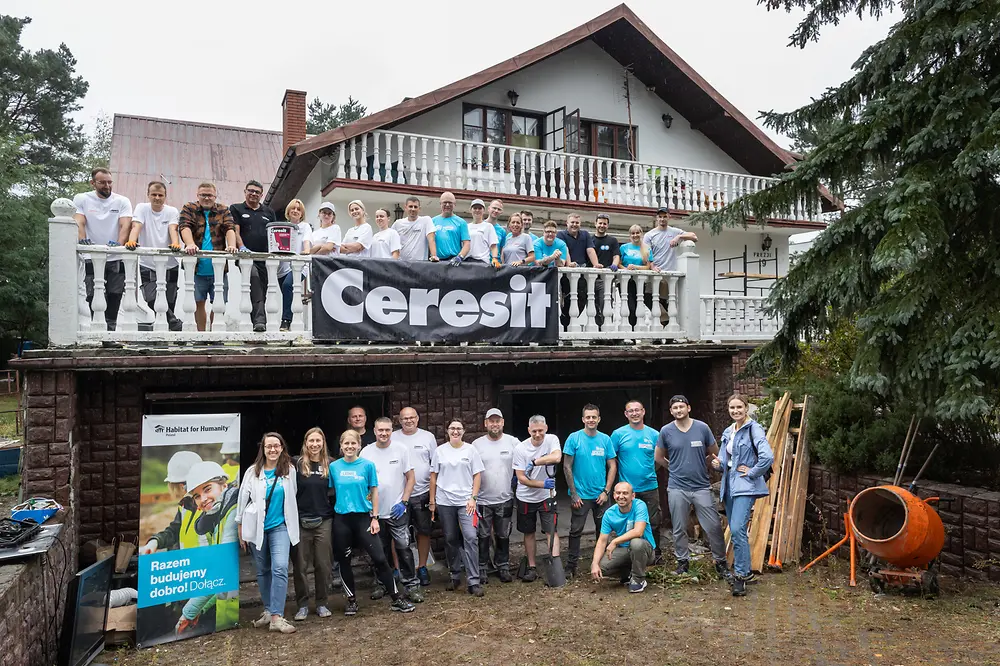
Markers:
<point>604,118</point>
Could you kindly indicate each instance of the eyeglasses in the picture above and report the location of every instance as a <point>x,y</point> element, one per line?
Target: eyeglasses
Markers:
<point>272,447</point>
<point>457,429</point>
<point>206,196</point>
<point>257,192</point>
<point>633,411</point>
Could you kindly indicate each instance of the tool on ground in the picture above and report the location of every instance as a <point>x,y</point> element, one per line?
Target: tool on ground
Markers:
<point>555,574</point>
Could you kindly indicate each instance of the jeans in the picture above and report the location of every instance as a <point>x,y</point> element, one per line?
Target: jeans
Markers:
<point>577,522</point>
<point>272,568</point>
<point>286,286</point>
<point>461,542</point>
<point>114,289</point>
<point>495,521</point>
<point>738,513</point>
<point>635,559</point>
<point>652,500</point>
<point>679,502</point>
<point>313,549</point>
<point>147,283</point>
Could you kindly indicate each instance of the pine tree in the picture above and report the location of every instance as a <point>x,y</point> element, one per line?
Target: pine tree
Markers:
<point>914,258</point>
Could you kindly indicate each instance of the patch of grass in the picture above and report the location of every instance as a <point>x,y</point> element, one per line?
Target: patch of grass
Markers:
<point>700,571</point>
<point>9,485</point>
<point>8,420</point>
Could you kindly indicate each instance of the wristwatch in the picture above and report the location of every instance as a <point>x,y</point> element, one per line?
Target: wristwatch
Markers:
<point>475,497</point>
<point>371,514</point>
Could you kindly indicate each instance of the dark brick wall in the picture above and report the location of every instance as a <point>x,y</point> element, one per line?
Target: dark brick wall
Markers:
<point>752,387</point>
<point>32,602</point>
<point>971,519</point>
<point>49,454</point>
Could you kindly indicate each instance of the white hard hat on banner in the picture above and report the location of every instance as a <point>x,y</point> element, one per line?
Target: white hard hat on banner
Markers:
<point>204,471</point>
<point>179,465</point>
<point>230,447</point>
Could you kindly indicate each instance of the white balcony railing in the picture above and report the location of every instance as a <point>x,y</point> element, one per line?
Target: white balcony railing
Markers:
<point>598,304</point>
<point>492,169</point>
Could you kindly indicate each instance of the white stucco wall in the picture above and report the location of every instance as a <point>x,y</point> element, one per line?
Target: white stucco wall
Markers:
<point>587,78</point>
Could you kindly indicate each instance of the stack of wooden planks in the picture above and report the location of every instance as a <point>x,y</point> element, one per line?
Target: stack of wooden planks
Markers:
<point>778,518</point>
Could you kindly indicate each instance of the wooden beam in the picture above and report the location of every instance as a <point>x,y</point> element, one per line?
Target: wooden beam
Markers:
<point>267,393</point>
<point>800,488</point>
<point>763,512</point>
<point>574,386</point>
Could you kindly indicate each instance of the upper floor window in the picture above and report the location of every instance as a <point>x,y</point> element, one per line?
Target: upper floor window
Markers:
<point>501,126</point>
<point>607,140</point>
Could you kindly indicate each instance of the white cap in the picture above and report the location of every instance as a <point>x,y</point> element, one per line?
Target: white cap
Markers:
<point>204,471</point>
<point>179,465</point>
<point>230,447</point>
<point>477,202</point>
<point>326,205</point>
<point>493,411</point>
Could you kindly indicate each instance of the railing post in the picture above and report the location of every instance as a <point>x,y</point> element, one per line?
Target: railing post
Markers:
<point>64,311</point>
<point>689,301</point>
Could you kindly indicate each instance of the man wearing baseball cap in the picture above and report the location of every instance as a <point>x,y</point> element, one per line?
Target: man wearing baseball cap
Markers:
<point>495,504</point>
<point>688,446</point>
<point>482,237</point>
<point>662,240</point>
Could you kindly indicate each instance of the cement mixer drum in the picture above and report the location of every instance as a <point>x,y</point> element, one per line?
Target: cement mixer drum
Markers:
<point>897,526</point>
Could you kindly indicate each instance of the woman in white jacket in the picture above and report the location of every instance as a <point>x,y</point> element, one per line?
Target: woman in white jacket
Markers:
<point>268,520</point>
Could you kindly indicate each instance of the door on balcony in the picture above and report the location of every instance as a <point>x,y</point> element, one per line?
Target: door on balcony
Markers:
<point>562,135</point>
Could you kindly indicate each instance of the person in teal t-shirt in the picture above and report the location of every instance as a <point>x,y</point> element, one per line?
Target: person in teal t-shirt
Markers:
<point>634,254</point>
<point>635,446</point>
<point>632,548</point>
<point>549,249</point>
<point>451,232</point>
<point>590,467</point>
<point>355,522</point>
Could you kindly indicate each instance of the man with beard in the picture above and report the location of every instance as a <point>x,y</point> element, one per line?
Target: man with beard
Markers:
<point>495,504</point>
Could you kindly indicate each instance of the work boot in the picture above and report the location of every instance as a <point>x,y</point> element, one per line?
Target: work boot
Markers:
<point>530,576</point>
<point>682,567</point>
<point>453,584</point>
<point>476,590</point>
<point>378,593</point>
<point>414,594</point>
<point>739,587</point>
<point>505,576</point>
<point>400,604</point>
<point>722,568</point>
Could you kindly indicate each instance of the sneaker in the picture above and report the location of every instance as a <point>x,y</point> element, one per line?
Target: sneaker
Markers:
<point>401,605</point>
<point>530,576</point>
<point>415,595</point>
<point>323,611</point>
<point>302,614</point>
<point>739,587</point>
<point>263,620</point>
<point>424,576</point>
<point>637,586</point>
<point>378,593</point>
<point>476,590</point>
<point>286,325</point>
<point>282,625</point>
<point>351,609</point>
<point>259,328</point>
<point>682,567</point>
<point>751,579</point>
<point>505,576</point>
<point>453,584</point>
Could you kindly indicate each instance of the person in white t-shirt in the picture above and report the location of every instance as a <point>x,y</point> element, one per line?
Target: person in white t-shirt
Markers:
<point>662,241</point>
<point>456,472</point>
<point>395,487</point>
<point>295,213</point>
<point>385,242</point>
<point>535,461</point>
<point>358,239</point>
<point>416,234</point>
<point>154,225</point>
<point>482,237</point>
<point>326,239</point>
<point>496,499</point>
<point>104,218</point>
<point>421,445</point>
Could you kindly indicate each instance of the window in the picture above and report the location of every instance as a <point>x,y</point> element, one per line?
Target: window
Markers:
<point>525,131</point>
<point>485,124</point>
<point>607,140</point>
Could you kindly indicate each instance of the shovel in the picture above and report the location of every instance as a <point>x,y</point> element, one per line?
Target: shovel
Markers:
<point>555,575</point>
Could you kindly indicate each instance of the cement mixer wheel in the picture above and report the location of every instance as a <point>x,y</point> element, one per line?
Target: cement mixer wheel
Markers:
<point>876,583</point>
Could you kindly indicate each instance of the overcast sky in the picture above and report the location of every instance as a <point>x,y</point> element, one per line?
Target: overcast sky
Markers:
<point>230,62</point>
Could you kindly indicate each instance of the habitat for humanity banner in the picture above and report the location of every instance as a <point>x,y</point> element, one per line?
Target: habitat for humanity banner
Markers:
<point>382,300</point>
<point>188,539</point>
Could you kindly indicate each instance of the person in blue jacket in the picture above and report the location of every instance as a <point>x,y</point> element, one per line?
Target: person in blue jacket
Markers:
<point>744,458</point>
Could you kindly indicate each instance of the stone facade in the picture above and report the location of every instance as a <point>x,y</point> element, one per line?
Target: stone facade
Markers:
<point>971,519</point>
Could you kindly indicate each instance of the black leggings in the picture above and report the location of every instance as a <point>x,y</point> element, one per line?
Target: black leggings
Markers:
<point>350,530</point>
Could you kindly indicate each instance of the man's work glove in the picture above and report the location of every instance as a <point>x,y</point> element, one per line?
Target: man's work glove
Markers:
<point>114,244</point>
<point>496,263</point>
<point>85,241</point>
<point>457,261</point>
<point>614,268</point>
<point>244,248</point>
<point>175,247</point>
<point>131,245</point>
<point>550,483</point>
<point>397,510</point>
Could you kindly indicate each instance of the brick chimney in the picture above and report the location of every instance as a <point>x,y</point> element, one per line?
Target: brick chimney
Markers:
<point>293,118</point>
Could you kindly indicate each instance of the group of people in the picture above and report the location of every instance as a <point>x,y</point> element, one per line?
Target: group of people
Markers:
<point>332,501</point>
<point>106,218</point>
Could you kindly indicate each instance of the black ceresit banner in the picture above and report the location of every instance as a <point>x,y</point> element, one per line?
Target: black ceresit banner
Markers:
<point>383,300</point>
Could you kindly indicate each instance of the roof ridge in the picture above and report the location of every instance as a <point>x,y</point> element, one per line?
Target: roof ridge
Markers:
<point>197,123</point>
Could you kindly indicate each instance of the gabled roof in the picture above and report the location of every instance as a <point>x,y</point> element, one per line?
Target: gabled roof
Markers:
<point>183,154</point>
<point>625,38</point>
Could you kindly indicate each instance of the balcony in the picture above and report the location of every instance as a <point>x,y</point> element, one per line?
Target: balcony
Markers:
<point>385,159</point>
<point>682,315</point>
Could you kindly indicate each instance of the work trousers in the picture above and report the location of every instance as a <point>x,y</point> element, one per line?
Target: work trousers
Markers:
<point>313,550</point>
<point>495,522</point>
<point>679,502</point>
<point>395,533</point>
<point>578,519</point>
<point>258,292</point>
<point>634,559</point>
<point>461,542</point>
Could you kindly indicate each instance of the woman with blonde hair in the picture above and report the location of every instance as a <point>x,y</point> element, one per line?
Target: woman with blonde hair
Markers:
<point>635,256</point>
<point>268,518</point>
<point>518,248</point>
<point>315,547</point>
<point>744,458</point>
<point>355,522</point>
<point>358,239</point>
<point>295,213</point>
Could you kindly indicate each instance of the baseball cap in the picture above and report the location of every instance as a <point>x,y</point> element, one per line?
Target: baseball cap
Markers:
<point>326,205</point>
<point>663,209</point>
<point>477,202</point>
<point>678,398</point>
<point>494,412</point>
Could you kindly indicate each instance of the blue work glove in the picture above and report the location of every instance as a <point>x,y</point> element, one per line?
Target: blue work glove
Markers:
<point>114,244</point>
<point>528,467</point>
<point>85,241</point>
<point>397,510</point>
<point>244,248</point>
<point>550,483</point>
<point>457,261</point>
<point>614,268</point>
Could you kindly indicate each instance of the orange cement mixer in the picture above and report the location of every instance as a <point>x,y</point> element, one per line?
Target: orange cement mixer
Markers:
<point>903,531</point>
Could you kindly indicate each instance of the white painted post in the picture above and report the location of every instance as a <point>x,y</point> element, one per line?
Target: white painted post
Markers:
<point>246,304</point>
<point>592,278</point>
<point>129,305</point>
<point>64,308</point>
<point>160,300</point>
<point>297,323</point>
<point>272,302</point>
<point>610,317</point>
<point>186,306</point>
<point>219,306</point>
<point>689,296</point>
